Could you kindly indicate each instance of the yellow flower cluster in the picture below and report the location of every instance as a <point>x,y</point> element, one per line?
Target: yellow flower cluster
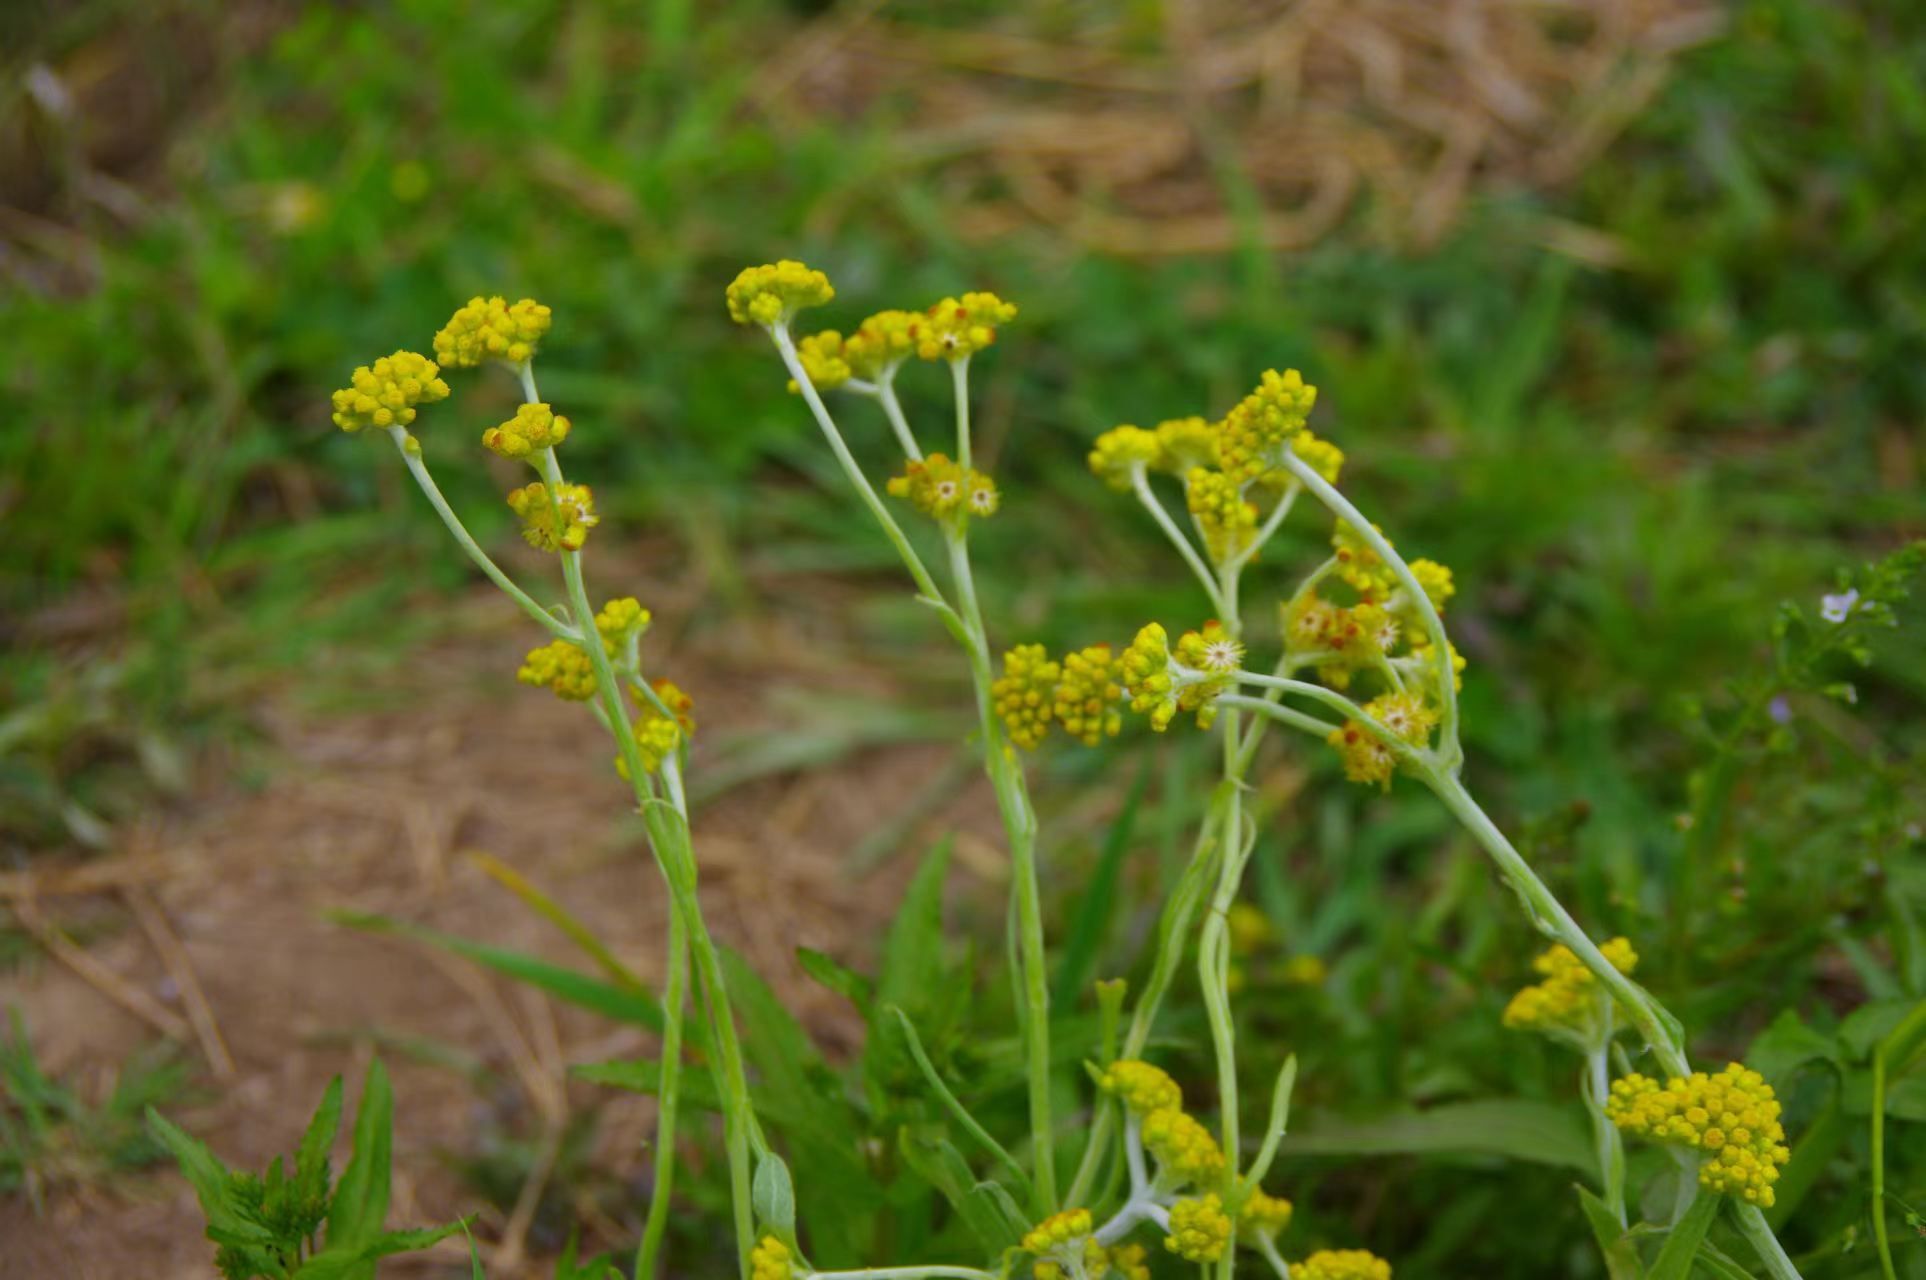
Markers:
<point>1160,683</point>
<point>1255,435</point>
<point>939,487</point>
<point>1141,1086</point>
<point>882,342</point>
<point>960,327</point>
<point>775,291</point>
<point>1092,1262</point>
<point>385,393</point>
<point>1025,694</point>
<point>1341,1264</point>
<point>1130,1261</point>
<point>1184,444</point>
<point>1217,503</point>
<point>657,736</point>
<point>619,619</point>
<point>1185,1150</point>
<point>562,668</point>
<point>1120,451</point>
<point>557,523</point>
<point>824,357</point>
<point>1263,1216</point>
<point>1368,758</point>
<point>1569,1004</point>
<point>1058,1229</point>
<point>1086,700</point>
<point>534,427</point>
<point>491,329</point>
<point>770,1260</point>
<point>1731,1117</point>
<point>1200,1230</point>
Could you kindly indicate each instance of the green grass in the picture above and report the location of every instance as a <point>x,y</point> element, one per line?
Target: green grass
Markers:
<point>1628,468</point>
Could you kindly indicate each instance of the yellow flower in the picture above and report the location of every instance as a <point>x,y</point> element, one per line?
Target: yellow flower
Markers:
<point>490,329</point>
<point>939,487</point>
<point>1140,1086</point>
<point>1365,758</point>
<point>772,293</point>
<point>1320,455</point>
<point>960,327</point>
<point>1200,1230</point>
<point>1057,1229</point>
<point>1024,696</point>
<point>1405,715</point>
<point>560,524</point>
<point>1341,1264</point>
<point>561,667</point>
<point>770,1260</point>
<point>1731,1118</point>
<point>1359,565</point>
<point>1185,1150</point>
<point>1147,678</point>
<point>620,619</point>
<point>385,393</point>
<point>534,426</point>
<point>1094,1258</point>
<point>1263,1216</point>
<point>1087,698</point>
<point>1210,649</point>
<point>1569,1004</point>
<point>1422,662</point>
<point>1436,581</point>
<point>1161,684</point>
<point>1254,437</point>
<point>1184,443</point>
<point>1217,502</point>
<point>824,358</point>
<point>657,737</point>
<point>1131,1261</point>
<point>883,341</point>
<point>1120,451</point>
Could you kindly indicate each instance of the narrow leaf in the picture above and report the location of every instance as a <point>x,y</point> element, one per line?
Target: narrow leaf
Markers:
<point>1621,1254</point>
<point>1097,901</point>
<point>360,1204</point>
<point>311,1159</point>
<point>343,1262</point>
<point>1534,1131</point>
<point>210,1180</point>
<point>1682,1242</point>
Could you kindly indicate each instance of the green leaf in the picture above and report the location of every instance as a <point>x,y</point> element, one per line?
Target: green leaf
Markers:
<point>344,1262</point>
<point>212,1182</point>
<point>311,1159</point>
<point>774,1196</point>
<point>944,1168</point>
<point>1682,1242</point>
<point>841,979</point>
<point>360,1204</point>
<point>1621,1255</point>
<point>1513,1128</point>
<point>911,967</point>
<point>577,988</point>
<point>1788,1044</point>
<point>1870,1023</point>
<point>693,1089</point>
<point>1097,900</point>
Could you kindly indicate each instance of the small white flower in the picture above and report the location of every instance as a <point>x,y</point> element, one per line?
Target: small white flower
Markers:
<point>1834,608</point>
<point>1223,655</point>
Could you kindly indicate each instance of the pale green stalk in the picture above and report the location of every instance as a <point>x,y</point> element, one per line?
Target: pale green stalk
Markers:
<point>1595,1086</point>
<point>905,1273</point>
<point>1140,485</point>
<point>426,482</point>
<point>668,1090</point>
<point>893,410</point>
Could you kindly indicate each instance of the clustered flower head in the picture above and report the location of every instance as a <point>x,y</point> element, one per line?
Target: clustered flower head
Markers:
<point>562,668</point>
<point>1731,1118</point>
<point>1368,757</point>
<point>385,393</point>
<point>1161,682</point>
<point>490,329</point>
<point>1185,1150</point>
<point>1341,1264</point>
<point>1141,1086</point>
<point>944,489</point>
<point>1087,699</point>
<point>619,620</point>
<point>533,428</point>
<point>1255,436</point>
<point>770,294</point>
<point>1121,452</point>
<point>1217,503</point>
<point>1569,1004</point>
<point>958,328</point>
<point>1064,1245</point>
<point>558,521</point>
<point>770,1260</point>
<point>1200,1230</point>
<point>657,737</point>
<point>1262,1216</point>
<point>1025,694</point>
<point>824,357</point>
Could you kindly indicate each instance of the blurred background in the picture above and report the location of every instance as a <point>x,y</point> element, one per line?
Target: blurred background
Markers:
<point>1619,308</point>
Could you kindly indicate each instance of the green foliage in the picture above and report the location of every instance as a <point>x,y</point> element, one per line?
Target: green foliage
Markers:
<point>50,1136</point>
<point>304,1225</point>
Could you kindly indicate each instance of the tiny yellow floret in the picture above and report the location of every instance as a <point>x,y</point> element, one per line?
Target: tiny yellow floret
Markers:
<point>1184,443</point>
<point>1341,1264</point>
<point>562,668</point>
<point>1088,699</point>
<point>1216,501</point>
<point>1141,1086</point>
<point>490,329</point>
<point>1185,1150</point>
<point>883,342</point>
<point>958,328</point>
<point>1569,1004</point>
<point>385,393</point>
<point>1120,453</point>
<point>1200,1230</point>
<point>1263,1216</point>
<point>775,291</point>
<point>824,358</point>
<point>558,523</point>
<point>943,489</point>
<point>770,1260</point>
<point>1255,436</point>
<point>1025,694</point>
<point>1131,1261</point>
<point>1057,1229</point>
<point>534,427</point>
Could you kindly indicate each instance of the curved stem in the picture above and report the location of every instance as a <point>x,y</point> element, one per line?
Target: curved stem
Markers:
<point>426,482</point>
<point>1433,624</point>
<point>1140,485</point>
<point>893,410</point>
<point>1753,1226</point>
<point>1316,692</point>
<point>1283,715</point>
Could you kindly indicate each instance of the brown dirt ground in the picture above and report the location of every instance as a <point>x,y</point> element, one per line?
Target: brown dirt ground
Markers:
<point>379,810</point>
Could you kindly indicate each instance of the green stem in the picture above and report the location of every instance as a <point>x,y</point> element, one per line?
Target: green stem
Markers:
<point>1433,624</point>
<point>674,998</point>
<point>1284,715</point>
<point>1595,1088</point>
<point>893,410</point>
<point>1140,485</point>
<point>1898,1044</point>
<point>426,482</point>
<point>902,1273</point>
<point>1316,693</point>
<point>1758,1233</point>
